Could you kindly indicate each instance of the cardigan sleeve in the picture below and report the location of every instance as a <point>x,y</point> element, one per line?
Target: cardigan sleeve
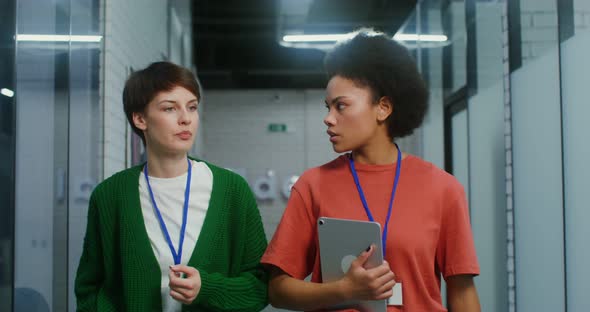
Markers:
<point>89,276</point>
<point>246,291</point>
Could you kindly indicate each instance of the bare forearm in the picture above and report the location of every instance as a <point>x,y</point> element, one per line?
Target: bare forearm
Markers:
<point>466,303</point>
<point>462,294</point>
<point>290,293</point>
<point>358,284</point>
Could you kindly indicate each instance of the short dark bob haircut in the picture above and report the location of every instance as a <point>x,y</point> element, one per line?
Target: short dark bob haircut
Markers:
<point>374,60</point>
<point>143,85</point>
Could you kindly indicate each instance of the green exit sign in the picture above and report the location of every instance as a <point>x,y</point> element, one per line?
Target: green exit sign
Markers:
<point>277,127</point>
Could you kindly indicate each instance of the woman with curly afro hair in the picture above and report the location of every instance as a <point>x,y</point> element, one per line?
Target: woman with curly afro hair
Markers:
<point>375,95</point>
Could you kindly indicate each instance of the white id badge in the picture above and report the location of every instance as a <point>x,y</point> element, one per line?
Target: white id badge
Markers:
<point>397,298</point>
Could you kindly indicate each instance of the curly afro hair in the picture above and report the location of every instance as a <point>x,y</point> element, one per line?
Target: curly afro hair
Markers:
<point>376,61</point>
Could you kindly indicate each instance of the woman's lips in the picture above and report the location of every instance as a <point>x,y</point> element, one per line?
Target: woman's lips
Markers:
<point>333,136</point>
<point>184,135</point>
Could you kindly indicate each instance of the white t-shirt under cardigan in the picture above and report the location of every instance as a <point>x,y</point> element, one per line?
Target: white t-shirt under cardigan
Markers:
<point>169,196</point>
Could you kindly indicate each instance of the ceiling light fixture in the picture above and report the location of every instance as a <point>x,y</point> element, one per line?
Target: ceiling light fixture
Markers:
<point>57,38</point>
<point>336,37</point>
<point>7,92</point>
<point>424,38</point>
<point>315,38</point>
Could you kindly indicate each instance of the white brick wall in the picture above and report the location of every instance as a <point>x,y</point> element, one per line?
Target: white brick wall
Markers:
<point>135,35</point>
<point>537,5</point>
<point>489,44</point>
<point>459,44</point>
<point>581,14</point>
<point>539,31</point>
<point>236,136</point>
<point>235,124</point>
<point>539,25</point>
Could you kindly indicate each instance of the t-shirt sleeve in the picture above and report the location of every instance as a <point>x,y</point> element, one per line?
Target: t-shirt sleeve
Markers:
<point>293,248</point>
<point>456,250</point>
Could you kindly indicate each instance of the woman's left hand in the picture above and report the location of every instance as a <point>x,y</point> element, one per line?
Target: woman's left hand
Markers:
<point>184,289</point>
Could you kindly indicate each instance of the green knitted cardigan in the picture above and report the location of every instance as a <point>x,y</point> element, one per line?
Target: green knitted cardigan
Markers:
<point>119,272</point>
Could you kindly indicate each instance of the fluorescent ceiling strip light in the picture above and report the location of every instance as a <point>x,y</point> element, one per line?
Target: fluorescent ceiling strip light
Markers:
<point>415,37</point>
<point>336,37</point>
<point>57,38</point>
<point>314,38</point>
<point>7,92</point>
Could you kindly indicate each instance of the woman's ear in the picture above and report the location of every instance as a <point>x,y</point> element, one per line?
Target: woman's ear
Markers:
<point>139,121</point>
<point>384,108</point>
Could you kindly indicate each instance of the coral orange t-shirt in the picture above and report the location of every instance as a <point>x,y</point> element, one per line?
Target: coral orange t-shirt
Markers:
<point>429,230</point>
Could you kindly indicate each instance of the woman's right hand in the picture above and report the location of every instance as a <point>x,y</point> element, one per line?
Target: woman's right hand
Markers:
<point>368,284</point>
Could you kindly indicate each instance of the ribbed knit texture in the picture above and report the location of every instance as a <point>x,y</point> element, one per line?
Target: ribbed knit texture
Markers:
<point>119,272</point>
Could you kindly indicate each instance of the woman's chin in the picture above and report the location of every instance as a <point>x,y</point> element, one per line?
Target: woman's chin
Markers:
<point>177,149</point>
<point>338,148</point>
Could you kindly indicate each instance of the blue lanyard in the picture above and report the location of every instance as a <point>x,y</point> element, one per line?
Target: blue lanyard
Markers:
<point>362,195</point>
<point>177,256</point>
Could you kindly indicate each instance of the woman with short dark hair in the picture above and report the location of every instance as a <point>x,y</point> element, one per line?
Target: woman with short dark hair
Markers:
<point>374,96</point>
<point>175,233</point>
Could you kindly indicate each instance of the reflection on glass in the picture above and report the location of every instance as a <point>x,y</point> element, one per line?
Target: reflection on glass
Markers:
<point>41,158</point>
<point>7,29</point>
<point>460,154</point>
<point>455,54</point>
<point>468,74</point>
<point>574,69</point>
<point>538,22</point>
<point>536,125</point>
<point>58,122</point>
<point>84,130</point>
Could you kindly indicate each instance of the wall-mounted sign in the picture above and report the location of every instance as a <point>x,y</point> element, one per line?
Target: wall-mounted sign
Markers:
<point>277,127</point>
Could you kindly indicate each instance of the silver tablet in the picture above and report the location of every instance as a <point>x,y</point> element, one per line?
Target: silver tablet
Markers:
<point>341,241</point>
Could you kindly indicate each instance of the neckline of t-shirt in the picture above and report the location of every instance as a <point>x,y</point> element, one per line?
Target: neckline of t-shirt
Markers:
<point>182,177</point>
<point>388,167</point>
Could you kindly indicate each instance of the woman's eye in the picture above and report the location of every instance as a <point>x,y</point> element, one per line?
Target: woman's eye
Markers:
<point>340,106</point>
<point>169,109</point>
<point>193,108</point>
